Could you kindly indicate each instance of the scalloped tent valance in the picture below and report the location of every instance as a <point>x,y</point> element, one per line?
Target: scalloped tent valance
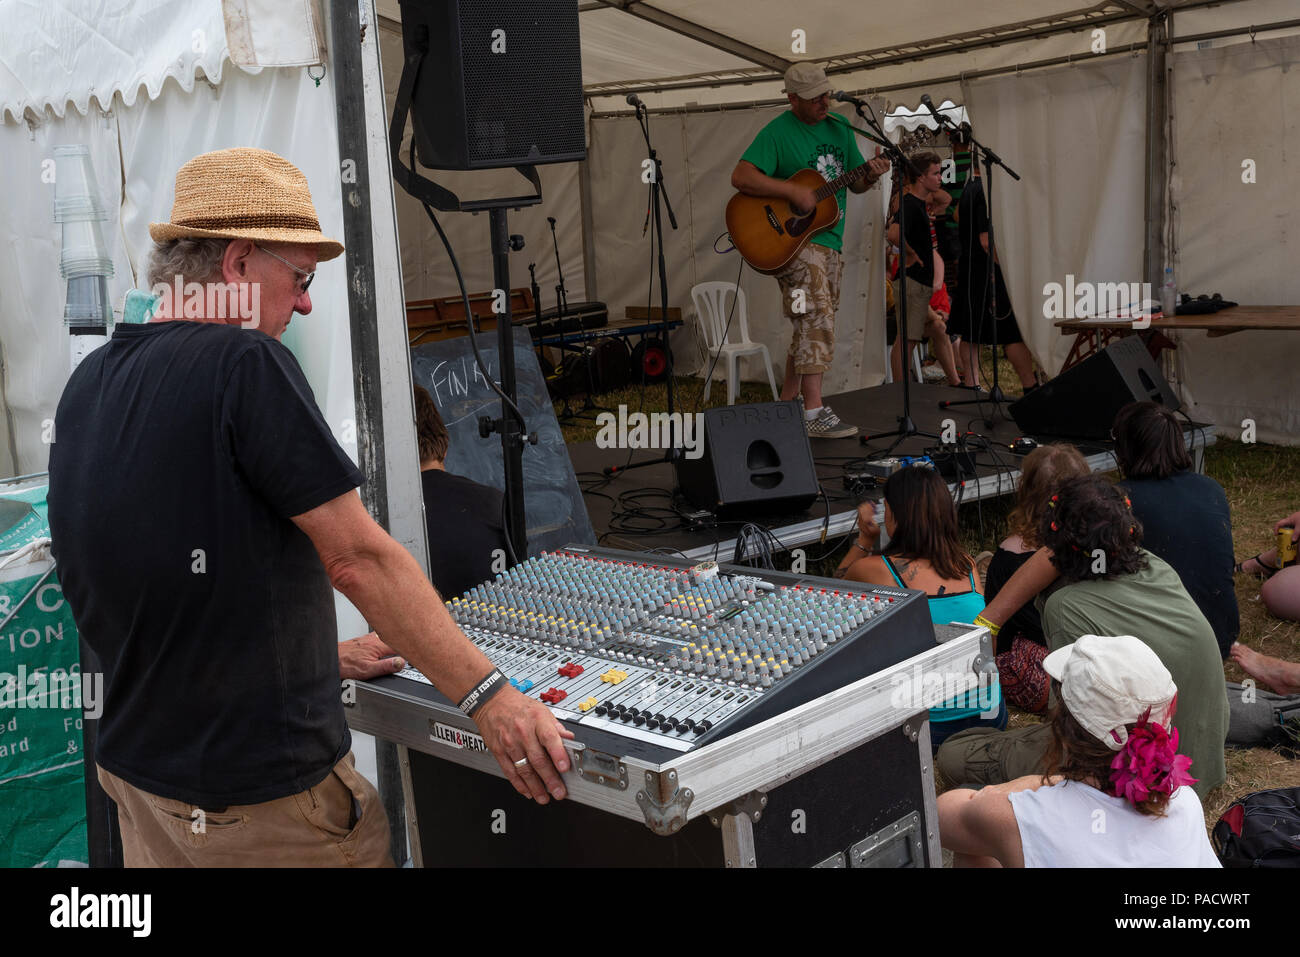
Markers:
<point>55,55</point>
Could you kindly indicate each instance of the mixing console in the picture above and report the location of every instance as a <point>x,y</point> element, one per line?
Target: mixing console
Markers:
<point>676,654</point>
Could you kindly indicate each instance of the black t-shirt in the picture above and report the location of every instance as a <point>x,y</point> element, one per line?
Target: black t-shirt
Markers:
<point>916,230</point>
<point>1186,521</point>
<point>1026,622</point>
<point>181,451</point>
<point>465,528</point>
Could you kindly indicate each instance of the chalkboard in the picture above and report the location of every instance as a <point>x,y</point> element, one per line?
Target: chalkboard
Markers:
<point>553,506</point>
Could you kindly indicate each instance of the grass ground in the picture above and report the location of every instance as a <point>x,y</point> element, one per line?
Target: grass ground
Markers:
<point>1262,483</point>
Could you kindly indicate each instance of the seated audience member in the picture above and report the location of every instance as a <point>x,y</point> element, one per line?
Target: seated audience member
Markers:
<point>465,519</point>
<point>1113,748</point>
<point>925,553</point>
<point>1281,588</point>
<point>1021,645</point>
<point>1110,585</point>
<point>465,527</point>
<point>1184,515</point>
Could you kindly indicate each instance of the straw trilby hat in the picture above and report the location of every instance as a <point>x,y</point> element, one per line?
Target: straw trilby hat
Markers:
<point>244,193</point>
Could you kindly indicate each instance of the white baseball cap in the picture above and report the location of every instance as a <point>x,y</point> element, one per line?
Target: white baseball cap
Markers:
<point>806,80</point>
<point>1108,683</point>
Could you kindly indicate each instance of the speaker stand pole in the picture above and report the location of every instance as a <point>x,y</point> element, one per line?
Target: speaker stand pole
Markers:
<point>509,425</point>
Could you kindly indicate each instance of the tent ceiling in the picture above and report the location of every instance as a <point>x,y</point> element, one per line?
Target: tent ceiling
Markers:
<point>719,52</point>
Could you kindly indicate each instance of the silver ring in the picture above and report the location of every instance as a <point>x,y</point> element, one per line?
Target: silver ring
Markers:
<point>521,763</point>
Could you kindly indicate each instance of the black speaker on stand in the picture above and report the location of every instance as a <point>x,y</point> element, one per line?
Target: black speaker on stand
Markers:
<point>756,459</point>
<point>1081,402</point>
<point>501,86</point>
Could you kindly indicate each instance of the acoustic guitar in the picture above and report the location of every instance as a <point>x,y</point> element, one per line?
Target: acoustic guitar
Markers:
<point>769,232</point>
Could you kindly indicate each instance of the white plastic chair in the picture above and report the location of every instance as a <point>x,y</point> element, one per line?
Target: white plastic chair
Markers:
<point>711,309</point>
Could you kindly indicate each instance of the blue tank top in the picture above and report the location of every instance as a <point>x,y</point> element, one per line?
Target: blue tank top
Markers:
<point>961,606</point>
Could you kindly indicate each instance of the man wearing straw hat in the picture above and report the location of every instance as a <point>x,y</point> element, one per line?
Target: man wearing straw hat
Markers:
<point>201,511</point>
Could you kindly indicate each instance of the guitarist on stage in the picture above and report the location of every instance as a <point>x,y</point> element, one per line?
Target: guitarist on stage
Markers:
<point>808,136</point>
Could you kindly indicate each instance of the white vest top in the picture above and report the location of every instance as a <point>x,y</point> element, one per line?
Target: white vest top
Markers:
<point>1070,824</point>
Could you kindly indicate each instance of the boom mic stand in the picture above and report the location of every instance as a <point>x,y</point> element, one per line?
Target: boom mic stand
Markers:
<point>899,161</point>
<point>995,396</point>
<point>654,215</point>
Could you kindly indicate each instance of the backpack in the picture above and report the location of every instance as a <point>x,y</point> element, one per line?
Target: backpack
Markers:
<point>1260,830</point>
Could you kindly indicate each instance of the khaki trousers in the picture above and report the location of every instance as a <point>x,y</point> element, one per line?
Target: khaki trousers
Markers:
<point>338,823</point>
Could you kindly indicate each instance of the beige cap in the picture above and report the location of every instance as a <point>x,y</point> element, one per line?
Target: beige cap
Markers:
<point>806,80</point>
<point>245,193</point>
<point>1109,683</point>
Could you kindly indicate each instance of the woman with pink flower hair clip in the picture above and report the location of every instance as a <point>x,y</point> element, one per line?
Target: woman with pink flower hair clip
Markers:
<point>1115,792</point>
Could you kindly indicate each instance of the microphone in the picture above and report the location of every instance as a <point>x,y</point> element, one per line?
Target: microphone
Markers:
<point>634,100</point>
<point>551,220</point>
<point>843,97</point>
<point>929,105</point>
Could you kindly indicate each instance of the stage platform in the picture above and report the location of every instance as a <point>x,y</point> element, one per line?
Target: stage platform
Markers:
<point>635,510</point>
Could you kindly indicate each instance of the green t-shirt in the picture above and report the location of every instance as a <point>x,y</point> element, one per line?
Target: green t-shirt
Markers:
<point>788,144</point>
<point>1152,605</point>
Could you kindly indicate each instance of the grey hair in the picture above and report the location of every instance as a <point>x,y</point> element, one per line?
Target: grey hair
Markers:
<point>194,260</point>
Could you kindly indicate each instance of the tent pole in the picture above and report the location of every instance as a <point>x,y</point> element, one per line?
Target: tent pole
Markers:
<point>386,444</point>
<point>588,228</point>
<point>1157,167</point>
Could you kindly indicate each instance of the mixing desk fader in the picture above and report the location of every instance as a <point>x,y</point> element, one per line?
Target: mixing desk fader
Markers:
<point>674,655</point>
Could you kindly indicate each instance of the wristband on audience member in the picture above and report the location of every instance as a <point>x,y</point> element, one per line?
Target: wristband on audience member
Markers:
<point>481,692</point>
<point>985,623</point>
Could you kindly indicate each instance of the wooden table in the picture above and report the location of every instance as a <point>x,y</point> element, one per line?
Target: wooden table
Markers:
<point>1092,335</point>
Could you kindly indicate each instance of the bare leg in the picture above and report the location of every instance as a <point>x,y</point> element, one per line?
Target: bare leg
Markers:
<point>970,363</point>
<point>790,384</point>
<point>1274,673</point>
<point>943,352</point>
<point>1255,566</point>
<point>812,391</point>
<point>1281,595</point>
<point>1020,359</point>
<point>896,359</point>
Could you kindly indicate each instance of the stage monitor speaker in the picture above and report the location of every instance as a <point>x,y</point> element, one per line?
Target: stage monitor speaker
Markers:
<point>756,459</point>
<point>500,84</point>
<point>1081,402</point>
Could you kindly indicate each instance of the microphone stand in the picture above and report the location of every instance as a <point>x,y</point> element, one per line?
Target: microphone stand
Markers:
<point>561,296</point>
<point>995,396</point>
<point>655,215</point>
<point>899,161</point>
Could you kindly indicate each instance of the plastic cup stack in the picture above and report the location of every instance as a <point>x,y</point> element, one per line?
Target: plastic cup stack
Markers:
<point>84,262</point>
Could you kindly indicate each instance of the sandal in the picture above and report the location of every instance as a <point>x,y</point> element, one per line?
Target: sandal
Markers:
<point>1269,570</point>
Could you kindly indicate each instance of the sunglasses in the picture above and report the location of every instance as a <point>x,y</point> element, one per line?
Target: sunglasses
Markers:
<point>309,276</point>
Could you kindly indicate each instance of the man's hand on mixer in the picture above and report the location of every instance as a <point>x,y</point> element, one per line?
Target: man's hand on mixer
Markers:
<point>367,657</point>
<point>526,740</point>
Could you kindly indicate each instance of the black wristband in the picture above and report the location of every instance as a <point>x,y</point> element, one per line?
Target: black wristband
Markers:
<point>481,692</point>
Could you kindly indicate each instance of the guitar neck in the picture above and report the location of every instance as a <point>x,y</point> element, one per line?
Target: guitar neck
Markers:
<point>837,184</point>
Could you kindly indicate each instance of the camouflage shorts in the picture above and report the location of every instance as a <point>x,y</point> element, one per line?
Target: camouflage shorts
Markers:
<point>810,295</point>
